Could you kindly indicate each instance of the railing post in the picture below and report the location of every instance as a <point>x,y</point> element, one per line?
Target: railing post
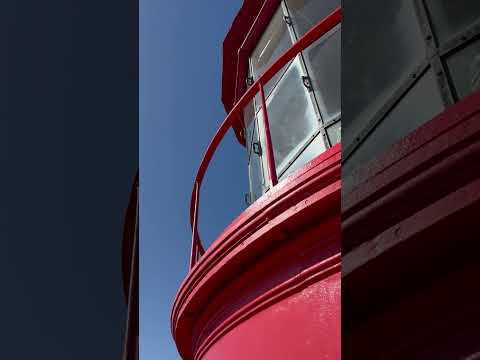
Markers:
<point>195,245</point>
<point>131,330</point>
<point>268,140</point>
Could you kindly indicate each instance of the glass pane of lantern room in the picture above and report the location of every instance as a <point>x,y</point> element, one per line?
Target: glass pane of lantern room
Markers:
<point>255,173</point>
<point>464,68</point>
<point>256,165</point>
<point>382,45</point>
<point>307,13</point>
<point>273,43</point>
<point>419,105</point>
<point>450,17</point>
<point>291,116</point>
<point>316,147</point>
<point>257,182</point>
<point>249,125</point>
<point>323,65</point>
<point>334,133</point>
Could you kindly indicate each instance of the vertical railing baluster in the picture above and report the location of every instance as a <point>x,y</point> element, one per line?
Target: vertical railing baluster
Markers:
<point>268,140</point>
<point>195,245</point>
<point>131,329</point>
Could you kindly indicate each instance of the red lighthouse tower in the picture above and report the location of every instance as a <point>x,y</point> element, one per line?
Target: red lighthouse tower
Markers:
<point>269,286</point>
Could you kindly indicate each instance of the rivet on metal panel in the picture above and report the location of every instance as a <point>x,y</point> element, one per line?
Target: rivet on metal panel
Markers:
<point>397,232</point>
<point>307,83</point>
<point>248,200</point>
<point>288,20</point>
<point>257,149</point>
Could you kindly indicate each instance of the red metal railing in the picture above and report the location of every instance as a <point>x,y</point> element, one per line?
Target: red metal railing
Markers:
<point>311,36</point>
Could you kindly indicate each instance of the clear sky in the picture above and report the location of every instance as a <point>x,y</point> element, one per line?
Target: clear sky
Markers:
<point>180,110</point>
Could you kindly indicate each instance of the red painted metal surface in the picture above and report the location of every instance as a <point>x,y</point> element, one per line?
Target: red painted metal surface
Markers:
<point>290,234</point>
<point>409,239</point>
<point>312,312</point>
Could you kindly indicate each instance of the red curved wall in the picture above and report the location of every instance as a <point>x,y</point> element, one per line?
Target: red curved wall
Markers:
<point>269,286</point>
<point>305,325</point>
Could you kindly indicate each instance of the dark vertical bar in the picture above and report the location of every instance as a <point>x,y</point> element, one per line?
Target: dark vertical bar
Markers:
<point>130,350</point>
<point>193,254</point>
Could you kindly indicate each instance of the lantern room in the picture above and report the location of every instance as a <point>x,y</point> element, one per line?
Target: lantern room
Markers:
<point>296,115</point>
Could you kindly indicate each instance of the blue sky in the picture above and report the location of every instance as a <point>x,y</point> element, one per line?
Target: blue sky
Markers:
<point>180,110</point>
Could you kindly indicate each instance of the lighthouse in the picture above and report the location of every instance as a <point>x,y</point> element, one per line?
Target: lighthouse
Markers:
<point>268,287</point>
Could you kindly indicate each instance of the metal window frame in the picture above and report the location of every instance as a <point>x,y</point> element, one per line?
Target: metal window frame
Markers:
<point>262,163</point>
<point>303,65</point>
<point>322,124</point>
<point>294,158</point>
<point>318,108</point>
<point>435,59</point>
<point>294,154</point>
<point>266,181</point>
<point>251,72</point>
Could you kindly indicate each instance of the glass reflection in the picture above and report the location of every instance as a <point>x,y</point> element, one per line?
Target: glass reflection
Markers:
<point>334,133</point>
<point>256,169</point>
<point>291,116</point>
<point>420,105</point>
<point>449,17</point>
<point>274,42</point>
<point>373,73</point>
<point>315,148</point>
<point>464,67</point>
<point>249,125</point>
<point>308,13</point>
<point>323,65</point>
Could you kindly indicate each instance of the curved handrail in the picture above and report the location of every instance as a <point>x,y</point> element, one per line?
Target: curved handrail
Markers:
<point>305,41</point>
